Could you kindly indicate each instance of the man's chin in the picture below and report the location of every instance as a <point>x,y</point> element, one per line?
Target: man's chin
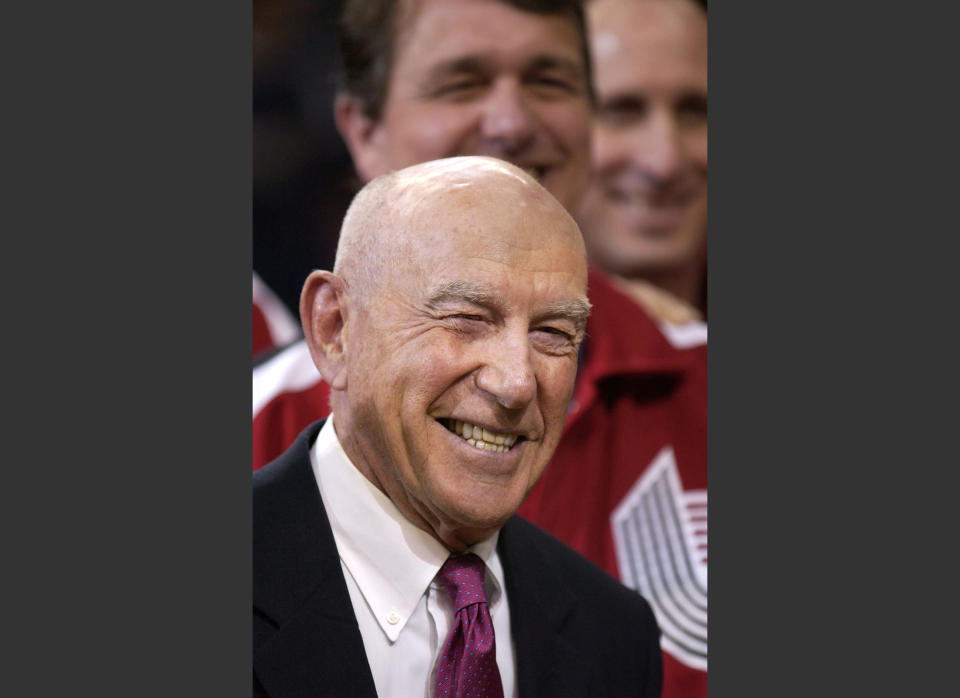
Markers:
<point>638,254</point>
<point>481,519</point>
<point>472,522</point>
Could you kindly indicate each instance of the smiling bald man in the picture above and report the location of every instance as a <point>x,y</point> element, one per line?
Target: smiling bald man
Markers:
<point>448,333</point>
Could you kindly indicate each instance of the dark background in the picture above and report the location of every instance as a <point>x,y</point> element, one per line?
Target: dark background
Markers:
<point>303,178</point>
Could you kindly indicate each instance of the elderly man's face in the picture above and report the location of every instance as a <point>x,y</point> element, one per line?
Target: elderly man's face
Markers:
<point>646,205</point>
<point>460,372</point>
<point>479,77</point>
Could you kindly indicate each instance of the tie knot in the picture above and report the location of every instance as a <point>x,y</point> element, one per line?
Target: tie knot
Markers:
<point>463,578</point>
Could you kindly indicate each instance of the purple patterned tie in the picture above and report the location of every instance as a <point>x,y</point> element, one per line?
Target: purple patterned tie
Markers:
<point>467,667</point>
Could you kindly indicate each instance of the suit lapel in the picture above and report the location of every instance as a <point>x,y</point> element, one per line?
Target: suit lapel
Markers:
<point>548,663</point>
<point>315,647</point>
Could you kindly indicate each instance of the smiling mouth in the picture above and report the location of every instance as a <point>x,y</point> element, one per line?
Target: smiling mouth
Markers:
<point>675,199</point>
<point>481,438</point>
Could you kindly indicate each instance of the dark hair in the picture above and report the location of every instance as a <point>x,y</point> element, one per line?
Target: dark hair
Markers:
<point>367,34</point>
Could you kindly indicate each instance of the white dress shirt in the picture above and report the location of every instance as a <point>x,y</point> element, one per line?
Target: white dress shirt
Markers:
<point>389,566</point>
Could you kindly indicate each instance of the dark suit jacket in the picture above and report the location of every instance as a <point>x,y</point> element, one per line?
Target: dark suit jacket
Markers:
<point>577,631</point>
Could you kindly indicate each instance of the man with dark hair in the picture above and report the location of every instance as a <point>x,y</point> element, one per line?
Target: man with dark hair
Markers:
<point>387,558</point>
<point>505,79</point>
<point>369,35</point>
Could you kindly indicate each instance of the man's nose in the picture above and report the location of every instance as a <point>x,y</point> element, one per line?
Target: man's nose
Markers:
<point>508,123</point>
<point>507,373</point>
<point>657,147</point>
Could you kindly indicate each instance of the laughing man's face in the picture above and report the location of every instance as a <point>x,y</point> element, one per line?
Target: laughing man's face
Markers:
<point>462,84</point>
<point>460,370</point>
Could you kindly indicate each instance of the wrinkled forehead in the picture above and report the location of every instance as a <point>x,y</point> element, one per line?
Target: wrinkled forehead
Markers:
<point>487,215</point>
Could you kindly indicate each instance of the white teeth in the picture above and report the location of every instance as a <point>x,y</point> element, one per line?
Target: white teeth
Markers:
<point>481,438</point>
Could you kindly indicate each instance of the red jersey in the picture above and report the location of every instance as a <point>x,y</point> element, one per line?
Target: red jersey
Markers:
<point>627,486</point>
<point>273,324</point>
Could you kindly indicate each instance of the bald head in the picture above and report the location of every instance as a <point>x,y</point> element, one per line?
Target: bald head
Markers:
<point>396,214</point>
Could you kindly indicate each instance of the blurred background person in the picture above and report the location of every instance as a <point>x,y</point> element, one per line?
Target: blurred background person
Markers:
<point>645,213</point>
<point>644,218</point>
<point>627,484</point>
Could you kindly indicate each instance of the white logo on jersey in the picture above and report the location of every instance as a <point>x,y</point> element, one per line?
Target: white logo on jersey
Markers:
<point>660,534</point>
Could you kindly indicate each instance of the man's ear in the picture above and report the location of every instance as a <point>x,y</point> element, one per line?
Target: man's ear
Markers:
<point>323,314</point>
<point>363,136</point>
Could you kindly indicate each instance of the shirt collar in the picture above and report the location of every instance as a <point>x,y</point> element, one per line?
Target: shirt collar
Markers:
<point>391,560</point>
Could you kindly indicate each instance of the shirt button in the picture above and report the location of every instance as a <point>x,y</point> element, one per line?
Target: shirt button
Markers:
<point>393,618</point>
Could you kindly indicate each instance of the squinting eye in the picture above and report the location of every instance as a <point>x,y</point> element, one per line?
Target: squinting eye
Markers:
<point>460,87</point>
<point>554,337</point>
<point>556,331</point>
<point>553,82</point>
<point>466,324</point>
<point>554,85</point>
<point>553,342</point>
